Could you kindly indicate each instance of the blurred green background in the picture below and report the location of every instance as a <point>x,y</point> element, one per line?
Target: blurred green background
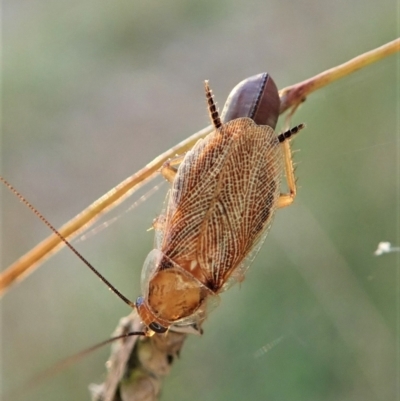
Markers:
<point>93,90</point>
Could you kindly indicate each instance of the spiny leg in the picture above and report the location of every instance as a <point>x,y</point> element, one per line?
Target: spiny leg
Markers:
<point>212,108</point>
<point>284,138</point>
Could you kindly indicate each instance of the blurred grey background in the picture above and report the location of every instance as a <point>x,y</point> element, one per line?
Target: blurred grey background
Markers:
<point>94,90</point>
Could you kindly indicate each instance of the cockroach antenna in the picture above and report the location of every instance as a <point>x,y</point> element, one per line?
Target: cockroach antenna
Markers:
<point>66,242</point>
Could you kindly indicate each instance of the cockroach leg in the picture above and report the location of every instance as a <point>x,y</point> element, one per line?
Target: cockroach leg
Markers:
<point>288,198</point>
<point>168,170</point>
<point>158,223</point>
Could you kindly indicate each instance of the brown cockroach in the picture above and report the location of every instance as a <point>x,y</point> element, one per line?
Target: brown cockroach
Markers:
<point>255,98</point>
<point>221,205</point>
<point>220,208</point>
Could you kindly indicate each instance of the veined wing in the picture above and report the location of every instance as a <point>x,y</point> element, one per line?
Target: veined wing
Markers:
<point>243,205</point>
<point>223,200</point>
<point>192,193</point>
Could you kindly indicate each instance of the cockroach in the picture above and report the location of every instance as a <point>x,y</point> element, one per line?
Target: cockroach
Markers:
<point>224,194</point>
<point>221,205</point>
<point>220,208</point>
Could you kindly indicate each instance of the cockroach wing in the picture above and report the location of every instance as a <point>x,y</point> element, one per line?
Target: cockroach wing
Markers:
<point>222,201</point>
<point>243,205</point>
<point>191,196</point>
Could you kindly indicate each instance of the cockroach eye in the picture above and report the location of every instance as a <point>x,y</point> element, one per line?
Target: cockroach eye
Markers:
<point>157,328</point>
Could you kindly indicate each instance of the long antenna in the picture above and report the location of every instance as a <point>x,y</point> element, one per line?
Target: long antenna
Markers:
<point>65,363</point>
<point>52,228</point>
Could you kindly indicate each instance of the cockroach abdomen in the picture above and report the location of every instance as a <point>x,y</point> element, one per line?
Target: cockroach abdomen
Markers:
<point>257,98</point>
